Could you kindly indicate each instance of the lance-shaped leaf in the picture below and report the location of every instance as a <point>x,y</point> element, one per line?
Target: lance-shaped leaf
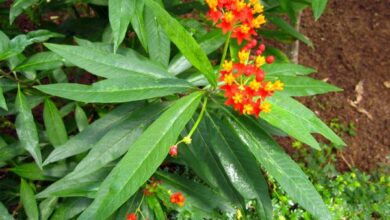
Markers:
<point>47,207</point>
<point>298,121</point>
<point>18,7</point>
<point>142,159</point>
<point>91,134</point>
<point>159,45</point>
<point>107,65</point>
<point>288,69</point>
<point>28,200</point>
<point>201,158</point>
<point>184,41</point>
<point>112,146</point>
<point>70,208</point>
<point>26,128</point>
<point>120,13</point>
<point>41,61</point>
<point>7,85</point>
<point>240,166</point>
<point>4,213</point>
<point>209,43</point>
<point>318,7</point>
<point>81,118</point>
<point>138,24</point>
<point>55,127</point>
<point>117,90</point>
<point>303,86</point>
<point>286,27</point>
<point>278,164</point>
<point>197,195</point>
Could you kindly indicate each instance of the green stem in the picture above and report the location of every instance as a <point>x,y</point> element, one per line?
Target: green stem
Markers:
<point>225,49</point>
<point>198,119</point>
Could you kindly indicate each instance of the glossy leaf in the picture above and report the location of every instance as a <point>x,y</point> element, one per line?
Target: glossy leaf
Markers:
<point>298,121</point>
<point>196,194</point>
<point>138,24</point>
<point>159,45</point>
<point>279,165</point>
<point>81,118</point>
<point>117,90</point>
<point>286,27</point>
<point>70,208</point>
<point>4,215</point>
<point>92,134</point>
<point>155,206</point>
<point>107,65</point>
<point>26,128</point>
<point>240,166</point>
<point>304,86</point>
<point>55,128</point>
<point>120,13</point>
<point>286,69</point>
<point>28,200</point>
<point>318,7</point>
<point>184,41</point>
<point>47,207</point>
<point>209,43</point>
<point>140,162</point>
<point>3,103</point>
<point>41,61</point>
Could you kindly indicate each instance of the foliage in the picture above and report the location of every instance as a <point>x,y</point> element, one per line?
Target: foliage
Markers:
<point>94,94</point>
<point>349,195</point>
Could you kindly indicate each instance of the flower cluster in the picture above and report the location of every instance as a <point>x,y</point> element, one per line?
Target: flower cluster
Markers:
<point>243,81</point>
<point>239,17</point>
<point>177,198</point>
<point>132,216</point>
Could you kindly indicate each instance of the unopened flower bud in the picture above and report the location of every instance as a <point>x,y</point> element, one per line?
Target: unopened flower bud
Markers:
<point>173,151</point>
<point>270,59</point>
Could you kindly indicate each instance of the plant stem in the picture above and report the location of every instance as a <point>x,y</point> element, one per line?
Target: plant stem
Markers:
<point>225,49</point>
<point>198,119</point>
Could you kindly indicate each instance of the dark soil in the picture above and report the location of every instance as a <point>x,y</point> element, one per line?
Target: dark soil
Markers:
<point>351,45</point>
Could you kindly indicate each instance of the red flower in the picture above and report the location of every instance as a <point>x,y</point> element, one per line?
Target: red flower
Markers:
<point>132,216</point>
<point>173,151</point>
<point>177,198</point>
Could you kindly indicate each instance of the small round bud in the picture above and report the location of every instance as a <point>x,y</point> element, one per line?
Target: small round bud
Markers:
<point>253,43</point>
<point>270,59</point>
<point>173,151</point>
<point>258,52</point>
<point>262,47</point>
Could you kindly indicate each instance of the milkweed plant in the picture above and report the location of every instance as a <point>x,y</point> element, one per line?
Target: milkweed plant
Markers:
<point>152,109</point>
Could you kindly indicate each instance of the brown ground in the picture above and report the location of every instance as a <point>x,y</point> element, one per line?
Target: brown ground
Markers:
<point>351,45</point>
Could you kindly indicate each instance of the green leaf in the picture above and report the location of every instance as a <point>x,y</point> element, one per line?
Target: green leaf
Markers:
<point>112,146</point>
<point>196,194</point>
<point>279,165</point>
<point>40,61</point>
<point>303,86</point>
<point>18,7</point>
<point>209,43</point>
<point>120,13</point>
<point>4,215</point>
<point>7,85</point>
<point>81,118</point>
<point>298,121</point>
<point>3,103</point>
<point>70,208</point>
<point>318,7</point>
<point>28,200</point>
<point>240,166</point>
<point>107,65</point>
<point>286,69</point>
<point>286,27</point>
<point>130,206</point>
<point>47,207</point>
<point>32,102</point>
<point>29,171</point>
<point>184,41</point>
<point>159,45</point>
<point>202,159</point>
<point>117,90</point>
<point>287,6</point>
<point>26,128</point>
<point>91,134</point>
<point>55,128</point>
<point>138,23</point>
<point>140,162</point>
<point>4,42</point>
<point>155,206</point>
<point>10,151</point>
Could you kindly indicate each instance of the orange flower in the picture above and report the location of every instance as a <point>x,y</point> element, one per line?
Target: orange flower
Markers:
<point>177,198</point>
<point>243,82</point>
